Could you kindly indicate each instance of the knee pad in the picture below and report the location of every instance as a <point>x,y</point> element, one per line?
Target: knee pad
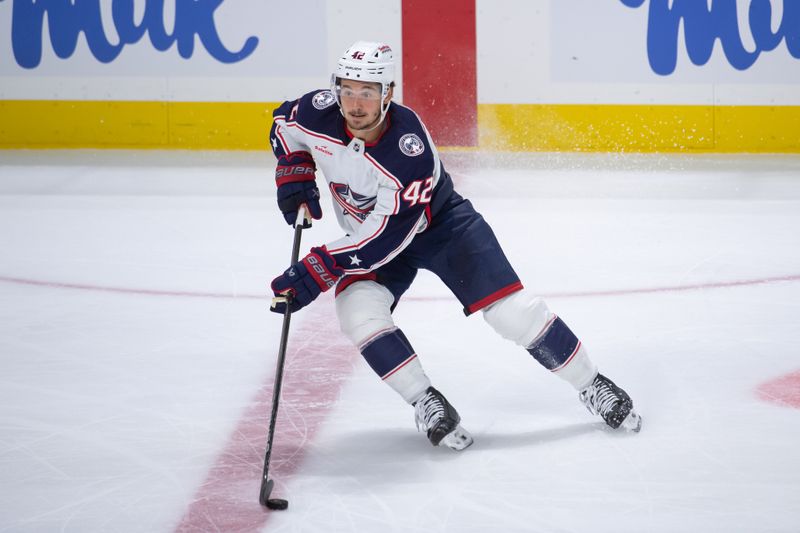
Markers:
<point>364,310</point>
<point>520,317</point>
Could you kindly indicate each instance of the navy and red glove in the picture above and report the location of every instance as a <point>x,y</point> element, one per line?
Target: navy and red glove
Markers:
<point>294,176</point>
<point>305,280</point>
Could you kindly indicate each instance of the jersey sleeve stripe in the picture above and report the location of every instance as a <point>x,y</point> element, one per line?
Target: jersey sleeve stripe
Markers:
<point>391,255</point>
<point>384,171</point>
<point>396,202</point>
<point>279,135</point>
<point>365,241</point>
<point>314,133</point>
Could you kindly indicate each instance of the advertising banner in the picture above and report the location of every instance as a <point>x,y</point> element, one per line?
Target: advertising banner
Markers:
<point>676,41</point>
<point>99,49</point>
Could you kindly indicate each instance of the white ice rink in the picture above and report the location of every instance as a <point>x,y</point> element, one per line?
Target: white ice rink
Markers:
<point>137,353</point>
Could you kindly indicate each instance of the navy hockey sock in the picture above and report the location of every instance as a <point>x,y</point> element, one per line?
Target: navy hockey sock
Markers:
<point>387,352</point>
<point>556,347</point>
<point>391,356</point>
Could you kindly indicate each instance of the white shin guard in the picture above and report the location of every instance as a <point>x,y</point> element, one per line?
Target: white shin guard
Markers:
<point>525,319</point>
<point>520,317</point>
<point>364,311</point>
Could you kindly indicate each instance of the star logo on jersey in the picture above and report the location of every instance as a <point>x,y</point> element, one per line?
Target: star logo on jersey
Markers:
<point>274,143</point>
<point>411,145</point>
<point>354,260</point>
<point>356,205</point>
<point>323,100</point>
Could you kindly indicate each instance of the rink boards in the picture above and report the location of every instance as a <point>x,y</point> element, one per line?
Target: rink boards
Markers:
<point>515,75</point>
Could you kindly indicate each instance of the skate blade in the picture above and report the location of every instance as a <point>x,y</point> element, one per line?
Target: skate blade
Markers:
<point>458,439</point>
<point>632,422</point>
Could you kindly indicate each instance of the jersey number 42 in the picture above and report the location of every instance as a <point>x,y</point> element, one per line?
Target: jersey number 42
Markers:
<point>418,192</point>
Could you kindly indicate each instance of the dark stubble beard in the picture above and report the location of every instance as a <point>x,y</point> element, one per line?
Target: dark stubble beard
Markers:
<point>369,127</point>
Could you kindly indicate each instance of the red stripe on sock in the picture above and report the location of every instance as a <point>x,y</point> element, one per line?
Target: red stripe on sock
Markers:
<point>228,498</point>
<point>570,358</point>
<point>398,367</point>
<point>375,337</point>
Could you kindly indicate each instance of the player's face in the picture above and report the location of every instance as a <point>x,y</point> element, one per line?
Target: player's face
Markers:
<point>361,103</point>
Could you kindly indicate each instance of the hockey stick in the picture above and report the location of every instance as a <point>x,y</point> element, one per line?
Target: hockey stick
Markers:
<point>266,483</point>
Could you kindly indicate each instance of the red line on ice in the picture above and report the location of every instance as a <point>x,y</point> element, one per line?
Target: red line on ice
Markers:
<point>784,390</point>
<point>679,288</point>
<point>126,290</point>
<point>649,290</point>
<point>318,361</point>
<point>234,296</point>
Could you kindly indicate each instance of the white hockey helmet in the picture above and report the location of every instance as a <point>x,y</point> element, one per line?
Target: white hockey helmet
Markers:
<point>369,62</point>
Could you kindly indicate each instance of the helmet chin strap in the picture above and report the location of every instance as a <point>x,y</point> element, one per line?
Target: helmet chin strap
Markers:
<point>380,119</point>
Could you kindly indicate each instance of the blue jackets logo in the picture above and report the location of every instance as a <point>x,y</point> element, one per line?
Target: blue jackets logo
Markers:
<point>411,145</point>
<point>702,26</point>
<point>323,100</point>
<point>354,204</point>
<point>66,19</point>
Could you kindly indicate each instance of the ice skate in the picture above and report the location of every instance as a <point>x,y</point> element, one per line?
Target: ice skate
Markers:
<point>612,403</point>
<point>440,420</point>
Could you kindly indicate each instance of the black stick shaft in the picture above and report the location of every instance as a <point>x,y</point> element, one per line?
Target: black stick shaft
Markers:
<point>266,486</point>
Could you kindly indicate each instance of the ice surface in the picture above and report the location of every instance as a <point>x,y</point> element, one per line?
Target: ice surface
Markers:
<point>137,353</point>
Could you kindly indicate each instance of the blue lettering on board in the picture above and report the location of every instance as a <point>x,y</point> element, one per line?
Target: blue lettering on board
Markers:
<point>702,26</point>
<point>66,19</point>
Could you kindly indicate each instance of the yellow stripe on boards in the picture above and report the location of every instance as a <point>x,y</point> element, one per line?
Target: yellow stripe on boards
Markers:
<point>67,124</point>
<point>608,128</point>
<point>129,124</point>
<point>639,128</point>
<point>515,127</point>
<point>757,129</point>
<point>220,126</point>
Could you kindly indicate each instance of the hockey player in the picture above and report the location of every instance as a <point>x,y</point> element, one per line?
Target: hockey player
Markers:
<point>396,204</point>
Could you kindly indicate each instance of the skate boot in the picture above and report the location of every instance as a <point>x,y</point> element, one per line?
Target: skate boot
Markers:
<point>435,415</point>
<point>612,403</point>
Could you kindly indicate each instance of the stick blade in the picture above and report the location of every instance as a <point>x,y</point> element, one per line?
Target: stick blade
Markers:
<point>266,490</point>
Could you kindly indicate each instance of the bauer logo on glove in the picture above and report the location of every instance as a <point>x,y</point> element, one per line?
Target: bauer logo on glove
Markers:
<point>322,274</point>
<point>305,280</point>
<point>294,177</point>
<point>298,170</point>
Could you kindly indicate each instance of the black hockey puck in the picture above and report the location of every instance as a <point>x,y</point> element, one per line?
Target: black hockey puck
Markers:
<point>277,504</point>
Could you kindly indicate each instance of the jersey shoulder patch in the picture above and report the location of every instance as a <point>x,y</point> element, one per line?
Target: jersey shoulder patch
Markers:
<point>411,145</point>
<point>405,149</point>
<point>323,100</point>
<point>318,113</point>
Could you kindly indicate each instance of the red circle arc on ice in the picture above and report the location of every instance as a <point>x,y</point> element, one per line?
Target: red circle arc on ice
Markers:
<point>784,390</point>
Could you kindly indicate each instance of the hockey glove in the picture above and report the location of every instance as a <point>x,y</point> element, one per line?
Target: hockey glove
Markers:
<point>294,176</point>
<point>305,280</point>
